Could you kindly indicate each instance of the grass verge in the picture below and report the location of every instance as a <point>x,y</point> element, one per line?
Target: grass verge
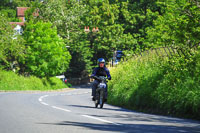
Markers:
<point>158,85</point>
<point>10,81</point>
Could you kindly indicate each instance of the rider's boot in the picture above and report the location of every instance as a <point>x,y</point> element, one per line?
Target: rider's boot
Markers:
<point>105,100</point>
<point>93,98</point>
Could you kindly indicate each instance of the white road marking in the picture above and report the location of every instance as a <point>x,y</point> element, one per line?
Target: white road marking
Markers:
<point>66,110</point>
<point>68,94</point>
<point>44,103</point>
<point>99,119</point>
<point>60,109</point>
<point>40,99</point>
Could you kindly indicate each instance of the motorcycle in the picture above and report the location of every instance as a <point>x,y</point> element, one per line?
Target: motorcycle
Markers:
<point>101,91</point>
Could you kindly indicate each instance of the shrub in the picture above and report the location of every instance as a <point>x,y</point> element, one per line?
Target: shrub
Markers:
<point>11,81</point>
<point>162,85</point>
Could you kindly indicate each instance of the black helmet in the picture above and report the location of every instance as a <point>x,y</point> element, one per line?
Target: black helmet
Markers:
<point>101,60</point>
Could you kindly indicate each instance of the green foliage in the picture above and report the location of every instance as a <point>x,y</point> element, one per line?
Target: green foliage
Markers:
<point>136,16</point>
<point>122,26</point>
<point>9,81</point>
<point>46,52</point>
<point>10,14</point>
<point>68,20</point>
<point>159,85</point>
<point>111,35</point>
<point>179,25</point>
<point>133,81</point>
<point>11,50</point>
<point>9,9</point>
<point>117,31</point>
<point>179,91</point>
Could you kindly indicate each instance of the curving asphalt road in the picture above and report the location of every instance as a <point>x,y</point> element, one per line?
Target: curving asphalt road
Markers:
<point>73,111</point>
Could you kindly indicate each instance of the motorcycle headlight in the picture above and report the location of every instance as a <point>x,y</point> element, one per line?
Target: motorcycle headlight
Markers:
<point>102,85</point>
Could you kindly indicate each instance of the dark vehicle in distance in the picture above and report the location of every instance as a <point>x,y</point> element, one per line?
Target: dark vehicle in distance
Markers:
<point>117,57</point>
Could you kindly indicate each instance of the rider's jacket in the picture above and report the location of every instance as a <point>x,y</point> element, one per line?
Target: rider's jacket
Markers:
<point>98,71</point>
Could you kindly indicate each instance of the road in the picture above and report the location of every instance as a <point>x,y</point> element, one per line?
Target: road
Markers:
<point>73,111</point>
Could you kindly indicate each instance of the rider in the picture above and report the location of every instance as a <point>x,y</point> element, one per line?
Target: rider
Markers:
<point>101,70</point>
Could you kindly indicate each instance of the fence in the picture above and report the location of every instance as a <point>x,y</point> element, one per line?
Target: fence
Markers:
<point>163,52</point>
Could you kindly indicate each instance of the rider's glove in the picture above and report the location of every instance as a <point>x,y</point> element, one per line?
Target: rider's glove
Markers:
<point>94,77</point>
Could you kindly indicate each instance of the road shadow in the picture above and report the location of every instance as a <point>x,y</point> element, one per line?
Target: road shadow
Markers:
<point>126,115</point>
<point>82,106</point>
<point>129,115</point>
<point>104,108</point>
<point>128,128</point>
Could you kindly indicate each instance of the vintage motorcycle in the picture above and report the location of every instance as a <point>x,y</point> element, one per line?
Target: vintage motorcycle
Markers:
<point>101,91</point>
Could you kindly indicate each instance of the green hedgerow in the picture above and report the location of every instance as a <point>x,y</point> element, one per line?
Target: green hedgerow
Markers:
<point>158,84</point>
<point>12,81</point>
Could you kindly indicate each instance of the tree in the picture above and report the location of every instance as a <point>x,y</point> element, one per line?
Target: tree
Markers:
<point>68,18</point>
<point>179,25</point>
<point>136,16</point>
<point>12,51</point>
<point>111,35</point>
<point>9,7</point>
<point>47,54</point>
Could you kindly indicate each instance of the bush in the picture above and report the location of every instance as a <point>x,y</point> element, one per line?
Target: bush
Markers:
<point>11,81</point>
<point>179,91</point>
<point>135,79</point>
<point>161,85</point>
<point>46,54</point>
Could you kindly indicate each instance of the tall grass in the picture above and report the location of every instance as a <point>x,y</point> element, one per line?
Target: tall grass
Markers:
<point>157,84</point>
<point>11,81</point>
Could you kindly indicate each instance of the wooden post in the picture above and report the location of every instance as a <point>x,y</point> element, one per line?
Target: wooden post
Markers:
<point>156,51</point>
<point>169,51</point>
<point>166,52</point>
<point>173,50</point>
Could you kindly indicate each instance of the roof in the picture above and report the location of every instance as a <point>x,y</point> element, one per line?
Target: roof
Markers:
<point>21,14</point>
<point>21,11</point>
<point>17,23</point>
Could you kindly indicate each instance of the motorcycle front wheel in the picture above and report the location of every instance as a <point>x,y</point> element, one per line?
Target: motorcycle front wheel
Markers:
<point>101,99</point>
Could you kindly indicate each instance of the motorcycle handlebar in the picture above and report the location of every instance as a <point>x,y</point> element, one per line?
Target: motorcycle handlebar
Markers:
<point>99,78</point>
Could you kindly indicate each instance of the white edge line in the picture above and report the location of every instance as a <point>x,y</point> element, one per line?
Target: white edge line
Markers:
<point>99,119</point>
<point>60,109</point>
<point>46,95</point>
<point>40,99</point>
<point>44,103</point>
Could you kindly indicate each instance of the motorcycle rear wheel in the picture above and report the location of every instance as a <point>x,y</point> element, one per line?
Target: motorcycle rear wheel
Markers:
<point>101,99</point>
<point>101,105</point>
<point>96,103</point>
<point>97,100</point>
